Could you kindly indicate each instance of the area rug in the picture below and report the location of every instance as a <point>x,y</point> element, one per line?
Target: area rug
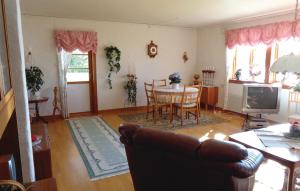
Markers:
<point>99,146</point>
<point>164,122</point>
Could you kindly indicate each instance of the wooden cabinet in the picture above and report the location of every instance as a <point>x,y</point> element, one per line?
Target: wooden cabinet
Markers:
<point>41,152</point>
<point>209,96</point>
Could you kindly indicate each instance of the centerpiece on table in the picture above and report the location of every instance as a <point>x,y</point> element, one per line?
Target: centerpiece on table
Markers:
<point>175,80</point>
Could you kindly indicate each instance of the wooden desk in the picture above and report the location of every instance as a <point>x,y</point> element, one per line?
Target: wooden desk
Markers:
<point>210,96</point>
<point>41,152</point>
<point>285,156</point>
<point>37,101</point>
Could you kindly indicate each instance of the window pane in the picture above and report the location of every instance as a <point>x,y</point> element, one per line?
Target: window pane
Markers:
<point>257,68</point>
<point>242,61</point>
<point>78,69</point>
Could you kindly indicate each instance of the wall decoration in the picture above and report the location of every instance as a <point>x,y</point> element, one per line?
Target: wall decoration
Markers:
<point>185,57</point>
<point>113,54</point>
<point>152,49</point>
<point>130,86</point>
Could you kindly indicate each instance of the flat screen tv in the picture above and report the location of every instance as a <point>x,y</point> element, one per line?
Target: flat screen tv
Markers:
<point>261,98</point>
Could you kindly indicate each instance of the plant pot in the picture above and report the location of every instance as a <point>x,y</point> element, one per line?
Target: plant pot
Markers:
<point>36,94</point>
<point>175,85</point>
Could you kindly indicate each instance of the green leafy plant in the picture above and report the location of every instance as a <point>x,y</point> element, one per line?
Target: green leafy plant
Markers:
<point>34,78</point>
<point>113,54</point>
<point>297,87</point>
<point>175,78</point>
<point>131,88</point>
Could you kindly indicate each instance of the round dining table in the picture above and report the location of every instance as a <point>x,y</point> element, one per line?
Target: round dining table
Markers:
<point>170,95</point>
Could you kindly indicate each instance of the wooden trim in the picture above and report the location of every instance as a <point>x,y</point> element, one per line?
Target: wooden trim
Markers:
<point>126,109</point>
<point>243,82</point>
<point>268,64</point>
<point>93,82</point>
<point>79,82</point>
<point>7,107</point>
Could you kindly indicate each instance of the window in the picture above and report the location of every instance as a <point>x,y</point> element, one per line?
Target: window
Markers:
<point>255,61</point>
<point>78,69</point>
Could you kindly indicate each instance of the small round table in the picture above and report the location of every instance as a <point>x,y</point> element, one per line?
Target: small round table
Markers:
<point>37,101</point>
<point>171,95</point>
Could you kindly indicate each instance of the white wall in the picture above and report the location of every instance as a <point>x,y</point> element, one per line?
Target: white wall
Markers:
<point>212,52</point>
<point>131,39</point>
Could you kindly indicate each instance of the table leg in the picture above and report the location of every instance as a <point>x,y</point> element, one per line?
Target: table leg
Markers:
<point>171,112</point>
<point>291,180</point>
<point>37,113</point>
<point>206,107</point>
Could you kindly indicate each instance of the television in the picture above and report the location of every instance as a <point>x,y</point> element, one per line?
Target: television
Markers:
<point>261,98</point>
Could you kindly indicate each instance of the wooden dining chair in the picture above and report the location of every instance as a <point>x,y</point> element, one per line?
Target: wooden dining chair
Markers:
<point>160,83</point>
<point>153,105</point>
<point>189,104</point>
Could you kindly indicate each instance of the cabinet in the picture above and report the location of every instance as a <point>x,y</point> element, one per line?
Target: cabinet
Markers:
<point>41,152</point>
<point>209,96</point>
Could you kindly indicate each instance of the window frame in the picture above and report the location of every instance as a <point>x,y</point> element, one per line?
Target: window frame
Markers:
<point>89,72</point>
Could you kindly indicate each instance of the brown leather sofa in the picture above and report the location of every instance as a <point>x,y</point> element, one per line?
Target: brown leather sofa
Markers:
<point>165,161</point>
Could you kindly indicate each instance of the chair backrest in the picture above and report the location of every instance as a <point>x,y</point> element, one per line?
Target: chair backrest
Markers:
<point>191,97</point>
<point>162,161</point>
<point>149,92</point>
<point>159,83</point>
<point>294,102</point>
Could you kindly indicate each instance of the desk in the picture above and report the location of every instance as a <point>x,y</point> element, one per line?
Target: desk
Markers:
<point>170,95</point>
<point>37,101</point>
<point>285,156</point>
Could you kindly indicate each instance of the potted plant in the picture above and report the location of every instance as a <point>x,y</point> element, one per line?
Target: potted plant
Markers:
<point>130,86</point>
<point>34,80</point>
<point>175,80</point>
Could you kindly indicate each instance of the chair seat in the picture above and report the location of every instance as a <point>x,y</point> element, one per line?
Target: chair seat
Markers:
<point>186,105</point>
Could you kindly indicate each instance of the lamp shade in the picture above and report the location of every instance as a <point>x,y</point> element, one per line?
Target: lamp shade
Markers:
<point>287,63</point>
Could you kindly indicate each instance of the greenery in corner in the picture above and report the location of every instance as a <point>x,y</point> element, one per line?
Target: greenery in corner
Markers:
<point>34,78</point>
<point>131,88</point>
<point>113,54</point>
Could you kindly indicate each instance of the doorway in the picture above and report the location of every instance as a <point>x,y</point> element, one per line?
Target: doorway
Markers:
<point>82,83</point>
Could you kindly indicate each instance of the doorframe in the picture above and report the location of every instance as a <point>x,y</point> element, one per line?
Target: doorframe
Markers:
<point>93,82</point>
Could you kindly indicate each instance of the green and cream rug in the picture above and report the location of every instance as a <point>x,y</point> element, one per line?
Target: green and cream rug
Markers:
<point>99,146</point>
<point>164,122</point>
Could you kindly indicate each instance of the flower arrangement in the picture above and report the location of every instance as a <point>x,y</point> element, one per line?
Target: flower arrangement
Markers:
<point>175,78</point>
<point>113,54</point>
<point>130,86</point>
<point>34,79</point>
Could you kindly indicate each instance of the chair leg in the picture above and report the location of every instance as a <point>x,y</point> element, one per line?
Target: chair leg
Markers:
<point>197,114</point>
<point>147,111</point>
<point>154,114</point>
<point>181,115</point>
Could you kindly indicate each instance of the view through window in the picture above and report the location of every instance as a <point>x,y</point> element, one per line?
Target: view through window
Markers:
<point>78,69</point>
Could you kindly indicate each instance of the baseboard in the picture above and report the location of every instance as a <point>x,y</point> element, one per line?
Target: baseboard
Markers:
<point>136,108</point>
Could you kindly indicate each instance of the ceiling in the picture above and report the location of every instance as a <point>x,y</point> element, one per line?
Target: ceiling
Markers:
<point>183,13</point>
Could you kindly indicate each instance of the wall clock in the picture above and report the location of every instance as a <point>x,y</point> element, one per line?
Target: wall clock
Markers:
<point>152,49</point>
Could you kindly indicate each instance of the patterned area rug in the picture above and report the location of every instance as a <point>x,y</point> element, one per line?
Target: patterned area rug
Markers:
<point>99,146</point>
<point>164,122</point>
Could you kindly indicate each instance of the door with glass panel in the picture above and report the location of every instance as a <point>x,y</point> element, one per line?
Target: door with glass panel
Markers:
<point>81,83</point>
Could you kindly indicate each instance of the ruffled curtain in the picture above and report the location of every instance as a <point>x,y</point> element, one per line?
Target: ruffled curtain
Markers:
<point>265,34</point>
<point>66,43</point>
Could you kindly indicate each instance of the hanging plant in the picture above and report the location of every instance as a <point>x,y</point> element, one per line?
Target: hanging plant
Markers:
<point>113,54</point>
<point>131,88</point>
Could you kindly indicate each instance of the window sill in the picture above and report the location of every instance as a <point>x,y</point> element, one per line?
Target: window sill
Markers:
<point>79,82</point>
<point>284,86</point>
<point>243,82</point>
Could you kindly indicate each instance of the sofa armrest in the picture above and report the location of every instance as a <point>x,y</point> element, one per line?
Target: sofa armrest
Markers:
<point>223,151</point>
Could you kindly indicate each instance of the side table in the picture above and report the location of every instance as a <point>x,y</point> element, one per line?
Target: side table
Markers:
<point>37,101</point>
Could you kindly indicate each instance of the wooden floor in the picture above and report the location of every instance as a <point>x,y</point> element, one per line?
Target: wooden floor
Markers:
<point>69,169</point>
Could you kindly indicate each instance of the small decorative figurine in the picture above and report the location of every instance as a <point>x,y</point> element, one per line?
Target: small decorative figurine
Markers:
<point>185,57</point>
<point>238,74</point>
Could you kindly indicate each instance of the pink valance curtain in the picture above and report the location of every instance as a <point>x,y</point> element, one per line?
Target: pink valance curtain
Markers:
<point>266,34</point>
<point>72,40</point>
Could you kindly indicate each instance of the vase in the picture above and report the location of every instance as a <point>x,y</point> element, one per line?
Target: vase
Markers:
<point>36,95</point>
<point>175,85</point>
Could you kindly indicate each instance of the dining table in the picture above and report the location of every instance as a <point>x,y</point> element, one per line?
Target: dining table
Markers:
<point>170,95</point>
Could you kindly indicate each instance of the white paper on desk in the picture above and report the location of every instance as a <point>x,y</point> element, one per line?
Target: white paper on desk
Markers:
<point>294,145</point>
<point>271,143</point>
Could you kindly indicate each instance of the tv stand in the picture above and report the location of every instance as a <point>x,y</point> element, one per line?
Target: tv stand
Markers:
<point>256,122</point>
